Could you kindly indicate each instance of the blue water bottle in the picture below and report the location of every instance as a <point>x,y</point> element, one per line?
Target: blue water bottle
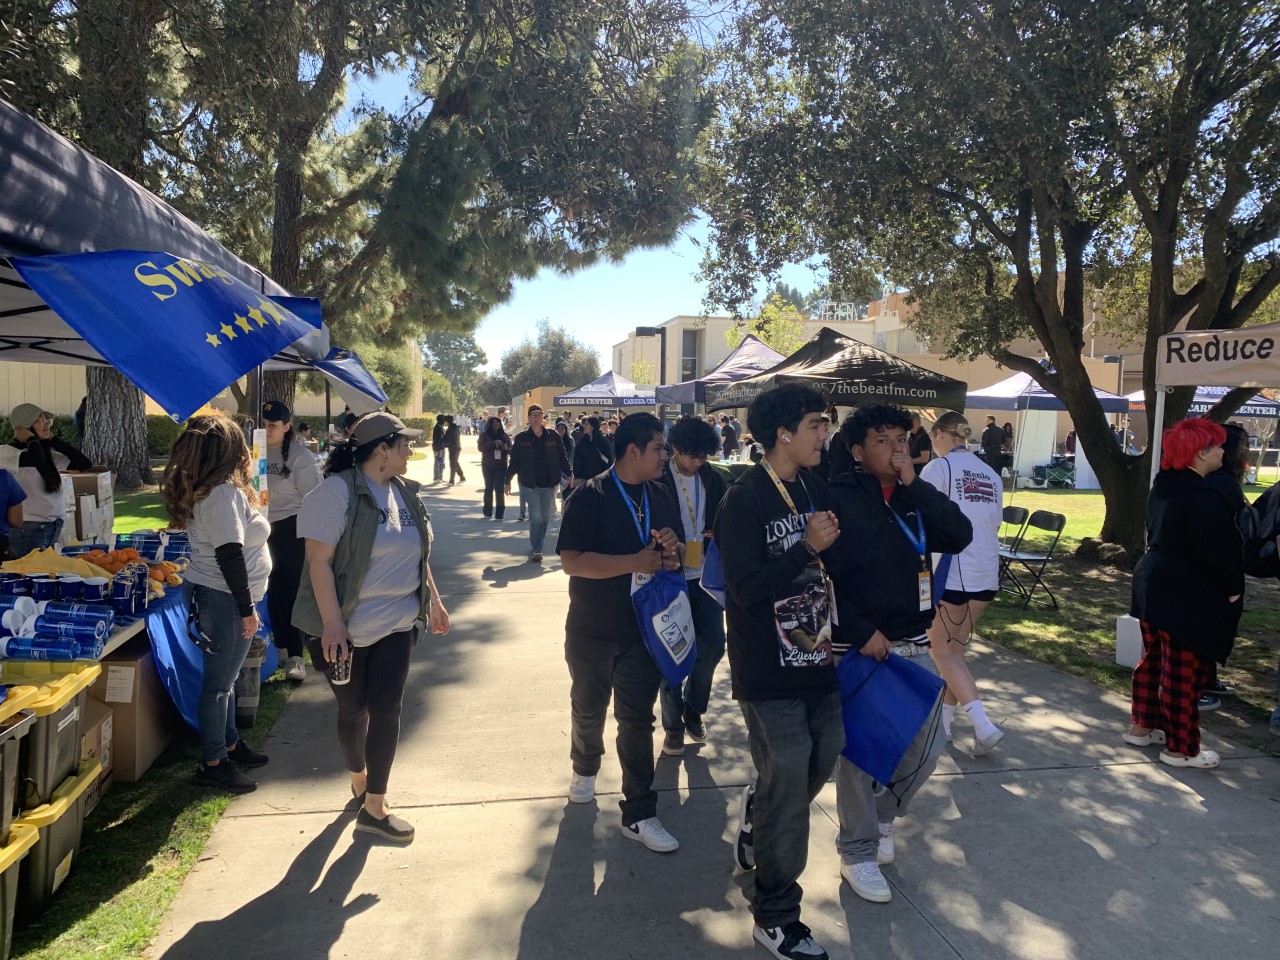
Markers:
<point>40,648</point>
<point>79,613</point>
<point>47,626</point>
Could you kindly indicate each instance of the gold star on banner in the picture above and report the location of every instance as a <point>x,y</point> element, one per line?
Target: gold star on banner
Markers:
<point>228,332</point>
<point>256,316</point>
<point>272,310</point>
<point>243,323</point>
<point>213,339</point>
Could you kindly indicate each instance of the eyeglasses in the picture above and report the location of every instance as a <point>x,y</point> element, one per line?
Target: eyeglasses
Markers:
<point>43,418</point>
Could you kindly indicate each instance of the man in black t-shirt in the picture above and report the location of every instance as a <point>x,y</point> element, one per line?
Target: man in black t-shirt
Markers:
<point>770,529</point>
<point>919,444</point>
<point>992,444</point>
<point>617,528</point>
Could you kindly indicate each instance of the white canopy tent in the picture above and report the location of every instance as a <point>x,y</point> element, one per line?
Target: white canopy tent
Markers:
<point>1248,357</point>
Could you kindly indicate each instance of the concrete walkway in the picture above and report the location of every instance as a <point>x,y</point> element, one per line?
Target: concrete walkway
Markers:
<point>1065,844</point>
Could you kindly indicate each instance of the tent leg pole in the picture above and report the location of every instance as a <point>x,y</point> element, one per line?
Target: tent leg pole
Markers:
<point>328,403</point>
<point>1157,430</point>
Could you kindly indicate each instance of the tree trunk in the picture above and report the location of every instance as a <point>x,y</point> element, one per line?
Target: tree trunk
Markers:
<point>113,404</point>
<point>1124,490</point>
<point>279,385</point>
<point>116,51</point>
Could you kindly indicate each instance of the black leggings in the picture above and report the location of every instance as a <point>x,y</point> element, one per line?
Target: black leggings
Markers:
<point>369,704</point>
<point>287,553</point>
<point>495,478</point>
<point>455,468</point>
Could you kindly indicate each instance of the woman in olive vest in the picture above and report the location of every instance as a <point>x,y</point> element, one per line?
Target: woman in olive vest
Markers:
<point>365,595</point>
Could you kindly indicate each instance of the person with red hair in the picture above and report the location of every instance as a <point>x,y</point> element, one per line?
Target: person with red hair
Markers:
<point>1187,595</point>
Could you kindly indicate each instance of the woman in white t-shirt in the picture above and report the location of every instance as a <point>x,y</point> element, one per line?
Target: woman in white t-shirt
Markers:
<point>974,574</point>
<point>365,595</point>
<point>292,473</point>
<point>208,491</point>
<point>37,459</point>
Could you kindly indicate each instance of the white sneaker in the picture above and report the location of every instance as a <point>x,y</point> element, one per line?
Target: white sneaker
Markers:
<point>884,852</point>
<point>582,789</point>
<point>653,835</point>
<point>867,881</point>
<point>295,669</point>
<point>984,745</point>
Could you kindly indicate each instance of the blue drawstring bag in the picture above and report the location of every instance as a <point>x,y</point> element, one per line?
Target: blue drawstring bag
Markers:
<point>666,623</point>
<point>884,704</point>
<point>712,579</point>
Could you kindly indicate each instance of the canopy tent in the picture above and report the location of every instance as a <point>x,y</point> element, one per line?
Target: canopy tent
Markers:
<point>750,357</point>
<point>1205,398</point>
<point>607,391</point>
<point>1021,392</point>
<point>60,199</point>
<point>846,372</point>
<point>1247,357</point>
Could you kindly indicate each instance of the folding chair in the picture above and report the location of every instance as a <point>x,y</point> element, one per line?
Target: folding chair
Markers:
<point>1013,526</point>
<point>1033,561</point>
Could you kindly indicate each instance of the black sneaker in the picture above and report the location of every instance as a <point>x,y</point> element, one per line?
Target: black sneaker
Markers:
<point>792,941</point>
<point>696,729</point>
<point>1208,704</point>
<point>223,776</point>
<point>673,744</point>
<point>389,827</point>
<point>744,851</point>
<point>243,753</point>
<point>1219,689</point>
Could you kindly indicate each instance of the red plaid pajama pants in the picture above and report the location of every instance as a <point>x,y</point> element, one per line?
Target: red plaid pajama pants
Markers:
<point>1167,683</point>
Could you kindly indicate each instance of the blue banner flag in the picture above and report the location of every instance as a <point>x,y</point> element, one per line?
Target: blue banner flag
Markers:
<point>346,367</point>
<point>181,329</point>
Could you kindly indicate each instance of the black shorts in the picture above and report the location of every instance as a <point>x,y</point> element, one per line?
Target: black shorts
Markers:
<point>961,597</point>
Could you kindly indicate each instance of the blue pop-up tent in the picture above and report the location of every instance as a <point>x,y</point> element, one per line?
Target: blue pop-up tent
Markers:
<point>60,200</point>
<point>1259,405</point>
<point>609,391</point>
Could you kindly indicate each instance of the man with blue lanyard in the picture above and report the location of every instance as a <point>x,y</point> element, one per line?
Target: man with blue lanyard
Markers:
<point>698,489</point>
<point>890,522</point>
<point>618,529</point>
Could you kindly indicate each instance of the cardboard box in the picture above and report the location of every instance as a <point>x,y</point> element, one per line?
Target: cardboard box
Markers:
<point>143,715</point>
<point>96,745</point>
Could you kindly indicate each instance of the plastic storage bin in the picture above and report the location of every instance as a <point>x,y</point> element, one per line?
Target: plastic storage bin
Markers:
<point>60,824</point>
<point>11,856</point>
<point>13,728</point>
<point>51,750</point>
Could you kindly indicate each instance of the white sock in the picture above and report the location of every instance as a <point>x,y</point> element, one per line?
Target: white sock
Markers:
<point>981,725</point>
<point>948,715</point>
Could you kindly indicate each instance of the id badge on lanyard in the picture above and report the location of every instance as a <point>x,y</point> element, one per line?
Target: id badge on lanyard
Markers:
<point>924,579</point>
<point>642,523</point>
<point>926,590</point>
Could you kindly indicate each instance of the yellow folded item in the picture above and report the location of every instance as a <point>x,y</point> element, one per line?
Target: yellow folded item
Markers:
<point>49,561</point>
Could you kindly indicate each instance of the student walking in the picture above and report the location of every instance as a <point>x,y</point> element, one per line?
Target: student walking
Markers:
<point>698,489</point>
<point>772,528</point>
<point>453,445</point>
<point>973,576</point>
<point>495,454</point>
<point>618,527</point>
<point>890,522</point>
<point>538,460</point>
<point>366,596</point>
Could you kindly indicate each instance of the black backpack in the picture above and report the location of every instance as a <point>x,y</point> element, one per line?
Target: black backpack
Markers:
<point>1259,525</point>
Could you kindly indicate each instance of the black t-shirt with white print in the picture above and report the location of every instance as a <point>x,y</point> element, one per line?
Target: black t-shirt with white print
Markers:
<point>597,520</point>
<point>779,638</point>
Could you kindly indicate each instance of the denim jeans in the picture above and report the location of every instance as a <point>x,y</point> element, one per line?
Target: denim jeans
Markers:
<point>708,632</point>
<point>542,503</point>
<point>861,810</point>
<point>34,535</point>
<point>437,471</point>
<point>794,744</point>
<point>599,669</point>
<point>221,623</point>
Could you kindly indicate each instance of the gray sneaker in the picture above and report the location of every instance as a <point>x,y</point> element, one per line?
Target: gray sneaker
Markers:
<point>295,669</point>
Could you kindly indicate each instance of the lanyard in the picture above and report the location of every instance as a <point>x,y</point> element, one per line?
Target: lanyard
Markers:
<point>917,539</point>
<point>786,497</point>
<point>644,539</point>
<point>694,507</point>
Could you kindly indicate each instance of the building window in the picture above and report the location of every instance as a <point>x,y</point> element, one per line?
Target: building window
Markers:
<point>689,369</point>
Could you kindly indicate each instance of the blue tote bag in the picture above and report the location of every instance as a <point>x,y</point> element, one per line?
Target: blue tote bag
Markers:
<point>884,704</point>
<point>666,623</point>
<point>712,579</point>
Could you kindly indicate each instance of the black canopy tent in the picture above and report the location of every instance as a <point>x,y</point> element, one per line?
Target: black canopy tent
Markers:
<point>750,357</point>
<point>847,373</point>
<point>56,198</point>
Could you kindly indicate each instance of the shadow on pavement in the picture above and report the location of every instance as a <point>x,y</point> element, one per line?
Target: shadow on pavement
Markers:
<point>265,926</point>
